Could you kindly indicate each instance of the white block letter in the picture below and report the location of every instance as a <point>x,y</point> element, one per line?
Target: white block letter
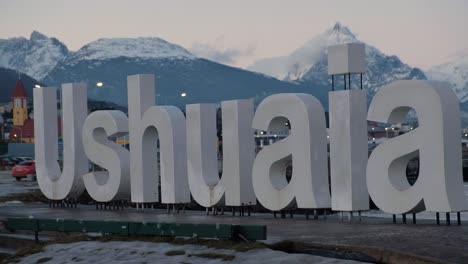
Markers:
<point>306,146</point>
<point>54,184</point>
<point>104,186</point>
<point>238,151</point>
<point>348,150</point>
<point>148,123</point>
<point>439,186</point>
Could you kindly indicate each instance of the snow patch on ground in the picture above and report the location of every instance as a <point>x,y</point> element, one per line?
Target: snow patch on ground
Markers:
<point>13,202</point>
<point>149,252</point>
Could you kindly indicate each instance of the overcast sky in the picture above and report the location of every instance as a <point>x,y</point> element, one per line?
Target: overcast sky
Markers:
<point>421,32</point>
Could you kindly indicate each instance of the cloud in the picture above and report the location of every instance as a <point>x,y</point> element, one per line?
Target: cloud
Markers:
<point>221,55</point>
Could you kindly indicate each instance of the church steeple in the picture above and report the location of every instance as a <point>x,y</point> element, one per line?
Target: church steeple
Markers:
<point>20,104</point>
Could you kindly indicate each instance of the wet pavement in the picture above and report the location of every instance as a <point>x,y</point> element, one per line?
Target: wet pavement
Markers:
<point>9,185</point>
<point>376,229</point>
<point>446,243</point>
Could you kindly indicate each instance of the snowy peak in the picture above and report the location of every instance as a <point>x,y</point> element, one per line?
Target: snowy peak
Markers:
<point>455,73</point>
<point>339,34</point>
<point>308,64</point>
<point>37,36</point>
<point>382,69</point>
<point>293,66</point>
<point>338,27</point>
<point>143,48</point>
<point>39,55</point>
<point>36,57</point>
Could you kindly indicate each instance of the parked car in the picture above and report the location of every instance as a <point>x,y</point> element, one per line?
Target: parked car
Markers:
<point>23,169</point>
<point>6,162</point>
<point>20,159</point>
<point>15,159</point>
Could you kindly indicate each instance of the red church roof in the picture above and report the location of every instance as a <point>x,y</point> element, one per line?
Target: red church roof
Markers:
<point>19,90</point>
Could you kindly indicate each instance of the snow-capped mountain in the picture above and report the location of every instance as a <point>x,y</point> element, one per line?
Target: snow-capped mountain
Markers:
<point>35,56</point>
<point>455,73</point>
<point>111,60</point>
<point>142,48</point>
<point>295,65</point>
<point>308,64</point>
<point>177,71</point>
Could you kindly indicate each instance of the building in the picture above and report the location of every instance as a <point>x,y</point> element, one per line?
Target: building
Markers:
<point>23,126</point>
<point>6,107</point>
<point>20,104</point>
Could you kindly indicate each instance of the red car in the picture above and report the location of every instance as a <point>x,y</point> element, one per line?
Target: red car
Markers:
<point>23,169</point>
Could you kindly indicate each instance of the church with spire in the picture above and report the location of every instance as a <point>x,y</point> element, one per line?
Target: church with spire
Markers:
<point>23,126</point>
<point>22,130</point>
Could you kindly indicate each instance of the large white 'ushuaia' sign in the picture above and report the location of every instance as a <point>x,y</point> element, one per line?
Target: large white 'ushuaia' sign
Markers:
<point>188,152</point>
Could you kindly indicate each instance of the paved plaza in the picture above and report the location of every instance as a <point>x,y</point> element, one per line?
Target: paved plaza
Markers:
<point>447,243</point>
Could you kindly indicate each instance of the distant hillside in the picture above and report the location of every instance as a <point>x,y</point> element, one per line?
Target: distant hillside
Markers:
<point>177,71</point>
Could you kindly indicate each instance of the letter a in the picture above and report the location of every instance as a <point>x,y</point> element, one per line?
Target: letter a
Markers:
<point>306,146</point>
<point>439,187</point>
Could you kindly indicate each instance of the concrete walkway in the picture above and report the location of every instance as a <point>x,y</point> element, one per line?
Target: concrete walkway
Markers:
<point>446,243</point>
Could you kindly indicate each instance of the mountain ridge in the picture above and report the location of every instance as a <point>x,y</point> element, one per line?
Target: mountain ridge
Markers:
<point>454,72</point>
<point>299,61</point>
<point>202,80</point>
<point>308,64</point>
<point>177,70</point>
<point>35,56</point>
<point>141,47</point>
